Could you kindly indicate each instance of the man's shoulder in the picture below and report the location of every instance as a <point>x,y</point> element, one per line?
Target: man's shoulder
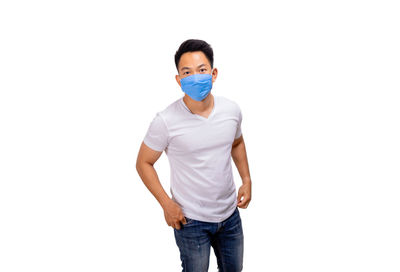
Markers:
<point>170,108</point>
<point>227,102</point>
<point>170,112</point>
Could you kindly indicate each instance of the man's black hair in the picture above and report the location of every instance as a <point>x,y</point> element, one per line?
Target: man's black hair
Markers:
<point>193,45</point>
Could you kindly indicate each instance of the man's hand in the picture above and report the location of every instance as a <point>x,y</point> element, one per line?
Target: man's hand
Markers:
<point>245,193</point>
<point>173,215</point>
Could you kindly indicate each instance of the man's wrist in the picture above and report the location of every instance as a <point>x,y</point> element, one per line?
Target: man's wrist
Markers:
<point>165,201</point>
<point>246,180</point>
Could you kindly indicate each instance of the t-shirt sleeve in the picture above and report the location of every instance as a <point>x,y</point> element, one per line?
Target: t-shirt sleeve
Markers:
<point>239,124</point>
<point>157,134</point>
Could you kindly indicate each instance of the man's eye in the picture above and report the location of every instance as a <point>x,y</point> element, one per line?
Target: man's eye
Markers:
<point>185,73</point>
<point>203,70</point>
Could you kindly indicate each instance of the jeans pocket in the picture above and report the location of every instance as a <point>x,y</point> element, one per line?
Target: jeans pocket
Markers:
<point>188,221</point>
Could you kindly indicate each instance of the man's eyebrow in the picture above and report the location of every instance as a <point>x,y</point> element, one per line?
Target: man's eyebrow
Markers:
<point>187,68</point>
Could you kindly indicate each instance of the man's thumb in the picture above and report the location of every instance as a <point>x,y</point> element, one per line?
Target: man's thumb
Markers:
<point>184,221</point>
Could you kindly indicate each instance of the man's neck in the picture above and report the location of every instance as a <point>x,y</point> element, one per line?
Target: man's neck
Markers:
<point>199,106</point>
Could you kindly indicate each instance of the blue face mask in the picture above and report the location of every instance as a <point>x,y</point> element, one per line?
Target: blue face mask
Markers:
<point>197,86</point>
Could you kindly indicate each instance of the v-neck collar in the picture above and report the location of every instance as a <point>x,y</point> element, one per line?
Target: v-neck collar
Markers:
<point>197,115</point>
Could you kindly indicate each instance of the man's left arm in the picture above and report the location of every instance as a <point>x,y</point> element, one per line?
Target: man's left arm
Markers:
<point>239,157</point>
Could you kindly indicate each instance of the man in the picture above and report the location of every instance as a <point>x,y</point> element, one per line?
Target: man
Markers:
<point>200,133</point>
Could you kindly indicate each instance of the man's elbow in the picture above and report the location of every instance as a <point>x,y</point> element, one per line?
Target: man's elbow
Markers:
<point>137,165</point>
<point>141,164</point>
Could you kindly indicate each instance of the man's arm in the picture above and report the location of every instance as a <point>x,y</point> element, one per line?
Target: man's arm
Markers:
<point>239,157</point>
<point>144,166</point>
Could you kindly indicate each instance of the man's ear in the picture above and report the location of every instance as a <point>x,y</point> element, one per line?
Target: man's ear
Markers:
<point>178,79</point>
<point>214,74</point>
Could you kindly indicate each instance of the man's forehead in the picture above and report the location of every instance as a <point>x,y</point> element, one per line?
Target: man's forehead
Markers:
<point>193,59</point>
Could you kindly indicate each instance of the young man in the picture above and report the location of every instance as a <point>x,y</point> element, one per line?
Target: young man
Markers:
<point>200,133</point>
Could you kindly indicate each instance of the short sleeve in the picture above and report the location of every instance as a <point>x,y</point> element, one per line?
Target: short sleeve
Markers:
<point>239,125</point>
<point>157,134</point>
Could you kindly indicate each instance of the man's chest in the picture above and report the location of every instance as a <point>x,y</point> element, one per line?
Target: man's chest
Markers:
<point>202,136</point>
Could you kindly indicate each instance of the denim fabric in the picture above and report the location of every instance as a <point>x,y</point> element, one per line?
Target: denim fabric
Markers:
<point>195,239</point>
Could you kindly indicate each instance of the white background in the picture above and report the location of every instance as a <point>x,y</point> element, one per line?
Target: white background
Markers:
<point>318,85</point>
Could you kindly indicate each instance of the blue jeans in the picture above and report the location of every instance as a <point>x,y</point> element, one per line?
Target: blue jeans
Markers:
<point>195,238</point>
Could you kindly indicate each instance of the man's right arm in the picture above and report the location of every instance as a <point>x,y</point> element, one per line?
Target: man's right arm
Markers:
<point>145,168</point>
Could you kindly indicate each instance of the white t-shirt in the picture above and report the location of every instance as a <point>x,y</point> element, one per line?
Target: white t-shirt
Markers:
<point>199,153</point>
